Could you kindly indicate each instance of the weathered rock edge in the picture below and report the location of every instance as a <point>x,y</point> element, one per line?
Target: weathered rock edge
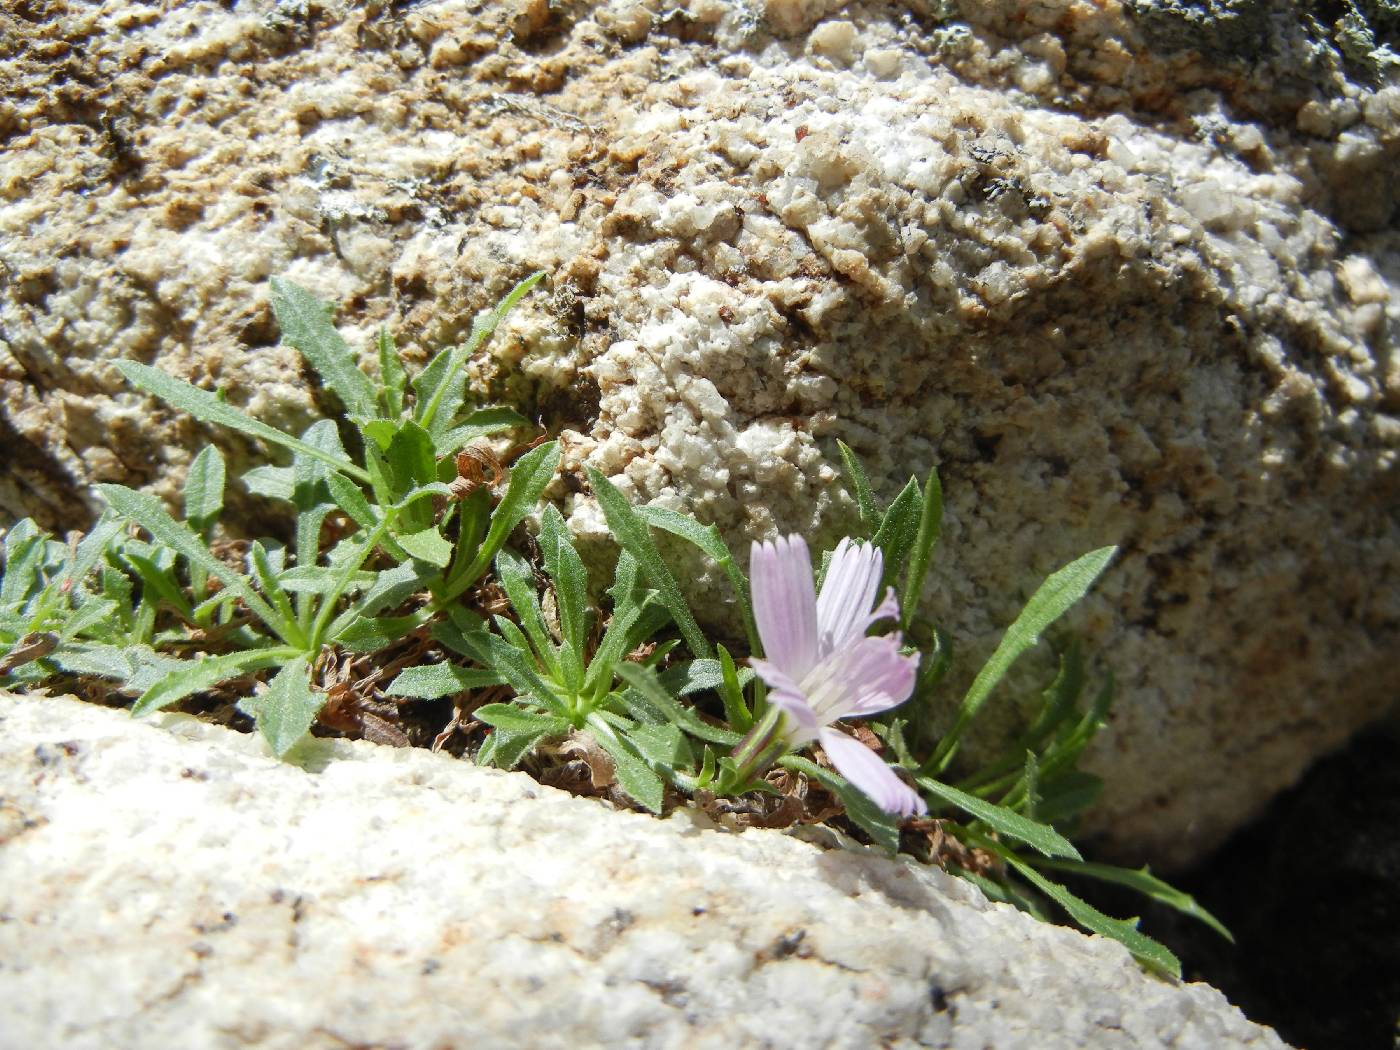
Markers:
<point>169,885</point>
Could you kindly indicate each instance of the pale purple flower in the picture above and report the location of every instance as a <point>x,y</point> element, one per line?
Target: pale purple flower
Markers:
<point>821,666</point>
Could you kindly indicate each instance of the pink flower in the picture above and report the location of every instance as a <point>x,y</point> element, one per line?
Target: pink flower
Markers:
<point>821,666</point>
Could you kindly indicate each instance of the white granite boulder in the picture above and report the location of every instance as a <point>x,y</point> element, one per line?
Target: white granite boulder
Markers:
<point>1115,295</point>
<point>170,886</point>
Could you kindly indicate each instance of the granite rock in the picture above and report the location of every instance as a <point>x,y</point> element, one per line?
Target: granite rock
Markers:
<point>169,885</point>
<point>1116,289</point>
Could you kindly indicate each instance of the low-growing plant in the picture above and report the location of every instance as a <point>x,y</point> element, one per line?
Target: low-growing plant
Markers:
<point>408,579</point>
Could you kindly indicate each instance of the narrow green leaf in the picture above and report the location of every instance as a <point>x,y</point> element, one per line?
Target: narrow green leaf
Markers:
<point>898,531</point>
<point>498,655</point>
<point>210,408</point>
<point>529,477</point>
<point>570,581</point>
<point>1147,951</point>
<point>630,532</point>
<point>93,612</point>
<point>430,681</point>
<point>633,774</point>
<point>367,634</point>
<point>504,749</point>
<point>266,574</point>
<point>204,489</point>
<point>731,694</point>
<point>874,821</point>
<point>438,400</point>
<point>428,546</point>
<point>481,423</point>
<point>1002,820</point>
<point>321,579</point>
<point>930,527</point>
<point>1050,601</point>
<point>391,375</point>
<point>517,579</point>
<point>663,746</point>
<point>708,540</point>
<point>288,710</point>
<point>516,720</point>
<point>196,676</point>
<point>147,511</point>
<point>272,482</point>
<point>698,676</point>
<point>859,487</point>
<point>643,680</point>
<point>411,463</point>
<point>23,554</point>
<point>306,324</point>
<point>350,498</point>
<point>1143,881</point>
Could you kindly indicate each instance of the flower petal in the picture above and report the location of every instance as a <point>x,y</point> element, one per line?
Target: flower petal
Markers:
<point>852,579</point>
<point>801,725</point>
<point>785,604</point>
<point>866,771</point>
<point>862,679</point>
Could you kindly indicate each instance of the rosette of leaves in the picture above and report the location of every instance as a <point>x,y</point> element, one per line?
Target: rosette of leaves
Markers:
<point>168,616</point>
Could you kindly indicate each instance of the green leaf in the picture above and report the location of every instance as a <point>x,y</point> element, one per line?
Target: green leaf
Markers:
<point>428,546</point>
<point>272,482</point>
<point>1003,821</point>
<point>882,827</point>
<point>147,511</point>
<point>306,324</point>
<point>395,586</point>
<point>643,680</point>
<point>731,694</point>
<point>430,681</point>
<point>481,423</point>
<point>391,375</point>
<point>698,676</point>
<point>204,489</point>
<point>529,477</point>
<point>504,749</point>
<point>411,464</point>
<point>288,710</point>
<point>321,579</point>
<point>630,532</point>
<point>1050,601</point>
<point>440,385</point>
<point>366,634</point>
<point>1147,951</point>
<point>898,531</point>
<point>859,488</point>
<point>91,613</point>
<point>712,545</point>
<point>266,574</point>
<point>350,498</point>
<point>663,746</point>
<point>517,579</point>
<point>212,409</point>
<point>514,720</point>
<point>513,665</point>
<point>930,527</point>
<point>1143,881</point>
<point>570,580</point>
<point>196,676</point>
<point>24,551</point>
<point>633,774</point>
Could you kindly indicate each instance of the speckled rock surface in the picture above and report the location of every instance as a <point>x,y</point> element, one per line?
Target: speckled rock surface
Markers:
<point>1117,290</point>
<point>173,887</point>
